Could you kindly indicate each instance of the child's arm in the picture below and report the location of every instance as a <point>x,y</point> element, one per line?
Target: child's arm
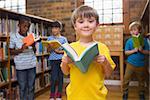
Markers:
<point>59,51</point>
<point>18,51</point>
<point>146,52</point>
<point>129,52</point>
<point>64,65</point>
<point>107,69</point>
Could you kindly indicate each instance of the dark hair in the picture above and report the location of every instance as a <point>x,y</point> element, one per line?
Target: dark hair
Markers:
<point>57,24</point>
<point>23,19</point>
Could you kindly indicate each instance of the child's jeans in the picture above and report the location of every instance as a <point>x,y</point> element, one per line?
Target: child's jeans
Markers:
<point>56,76</point>
<point>26,81</point>
<point>130,70</point>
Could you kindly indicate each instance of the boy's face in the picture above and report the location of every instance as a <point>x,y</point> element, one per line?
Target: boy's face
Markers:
<point>55,31</point>
<point>134,30</point>
<point>85,27</point>
<point>24,27</point>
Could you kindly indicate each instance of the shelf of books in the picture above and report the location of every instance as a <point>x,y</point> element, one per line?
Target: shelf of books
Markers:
<point>8,81</point>
<point>112,36</point>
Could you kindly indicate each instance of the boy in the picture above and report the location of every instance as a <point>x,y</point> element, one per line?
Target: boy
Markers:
<point>89,85</point>
<point>135,61</point>
<point>55,60</point>
<point>25,60</point>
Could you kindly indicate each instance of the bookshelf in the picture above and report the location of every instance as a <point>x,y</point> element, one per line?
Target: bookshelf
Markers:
<point>40,27</point>
<point>112,36</point>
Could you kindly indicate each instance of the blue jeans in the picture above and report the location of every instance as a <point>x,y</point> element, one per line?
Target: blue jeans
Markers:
<point>26,81</point>
<point>56,76</point>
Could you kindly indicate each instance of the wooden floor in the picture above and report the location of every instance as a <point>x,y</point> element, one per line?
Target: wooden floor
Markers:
<point>113,94</point>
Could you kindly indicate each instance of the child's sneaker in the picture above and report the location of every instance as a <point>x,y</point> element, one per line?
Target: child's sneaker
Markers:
<point>142,96</point>
<point>52,96</point>
<point>58,99</point>
<point>51,99</point>
<point>125,96</point>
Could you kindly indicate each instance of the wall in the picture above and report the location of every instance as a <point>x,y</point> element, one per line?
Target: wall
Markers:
<point>132,11</point>
<point>62,10</point>
<point>55,10</point>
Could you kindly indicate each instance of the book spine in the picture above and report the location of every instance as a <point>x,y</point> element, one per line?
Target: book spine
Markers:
<point>82,67</point>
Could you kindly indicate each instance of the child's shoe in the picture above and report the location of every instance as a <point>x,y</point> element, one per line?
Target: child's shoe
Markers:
<point>58,99</point>
<point>125,96</point>
<point>142,96</point>
<point>58,96</point>
<point>52,96</point>
<point>51,99</point>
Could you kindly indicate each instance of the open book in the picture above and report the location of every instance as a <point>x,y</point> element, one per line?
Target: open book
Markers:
<point>138,41</point>
<point>84,60</point>
<point>30,39</point>
<point>55,44</point>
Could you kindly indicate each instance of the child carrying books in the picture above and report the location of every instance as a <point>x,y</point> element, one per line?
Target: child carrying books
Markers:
<point>135,48</point>
<point>25,60</point>
<point>88,85</point>
<point>55,60</point>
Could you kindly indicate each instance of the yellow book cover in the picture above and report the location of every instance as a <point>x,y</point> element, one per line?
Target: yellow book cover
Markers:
<point>54,43</point>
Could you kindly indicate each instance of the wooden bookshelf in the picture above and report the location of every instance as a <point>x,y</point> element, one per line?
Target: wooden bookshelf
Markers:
<point>41,26</point>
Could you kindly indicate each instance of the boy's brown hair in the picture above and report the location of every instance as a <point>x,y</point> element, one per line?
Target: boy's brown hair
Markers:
<point>135,24</point>
<point>84,11</point>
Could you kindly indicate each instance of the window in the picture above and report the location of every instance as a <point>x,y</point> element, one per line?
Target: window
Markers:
<point>110,11</point>
<point>14,5</point>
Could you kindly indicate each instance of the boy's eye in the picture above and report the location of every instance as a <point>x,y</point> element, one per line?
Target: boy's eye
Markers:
<point>91,21</point>
<point>80,21</point>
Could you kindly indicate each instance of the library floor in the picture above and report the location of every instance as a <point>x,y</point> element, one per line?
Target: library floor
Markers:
<point>113,94</point>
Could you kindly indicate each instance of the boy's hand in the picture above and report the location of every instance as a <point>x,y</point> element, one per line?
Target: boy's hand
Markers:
<point>101,59</point>
<point>24,47</point>
<point>140,49</point>
<point>135,50</point>
<point>67,60</point>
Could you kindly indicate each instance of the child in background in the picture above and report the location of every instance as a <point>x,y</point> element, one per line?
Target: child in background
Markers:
<point>89,85</point>
<point>135,61</point>
<point>55,60</point>
<point>25,60</point>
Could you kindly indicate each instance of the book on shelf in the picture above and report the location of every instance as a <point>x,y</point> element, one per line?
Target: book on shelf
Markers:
<point>83,61</point>
<point>30,39</point>
<point>138,41</point>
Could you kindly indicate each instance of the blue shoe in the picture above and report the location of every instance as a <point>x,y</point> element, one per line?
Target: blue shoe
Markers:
<point>142,96</point>
<point>125,96</point>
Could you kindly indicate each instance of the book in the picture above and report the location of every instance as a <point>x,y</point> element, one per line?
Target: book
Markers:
<point>138,41</point>
<point>55,43</point>
<point>84,60</point>
<point>30,39</point>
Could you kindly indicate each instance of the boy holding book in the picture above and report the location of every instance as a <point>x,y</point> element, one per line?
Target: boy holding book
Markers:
<point>88,85</point>
<point>55,60</point>
<point>135,59</point>
<point>25,60</point>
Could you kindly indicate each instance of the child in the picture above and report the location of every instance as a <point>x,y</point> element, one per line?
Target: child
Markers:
<point>135,61</point>
<point>89,85</point>
<point>55,60</point>
<point>25,60</point>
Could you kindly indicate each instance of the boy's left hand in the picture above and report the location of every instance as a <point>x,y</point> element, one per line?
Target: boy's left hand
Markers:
<point>101,59</point>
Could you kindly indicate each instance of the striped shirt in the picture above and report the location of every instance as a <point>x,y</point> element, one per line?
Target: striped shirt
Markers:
<point>54,55</point>
<point>27,58</point>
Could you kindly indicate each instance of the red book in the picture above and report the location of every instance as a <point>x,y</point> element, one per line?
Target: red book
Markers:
<point>30,39</point>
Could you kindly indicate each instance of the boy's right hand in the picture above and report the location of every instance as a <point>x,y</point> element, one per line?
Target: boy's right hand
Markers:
<point>135,50</point>
<point>24,47</point>
<point>66,60</point>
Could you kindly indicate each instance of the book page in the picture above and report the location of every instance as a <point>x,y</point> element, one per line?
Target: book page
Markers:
<point>70,52</point>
